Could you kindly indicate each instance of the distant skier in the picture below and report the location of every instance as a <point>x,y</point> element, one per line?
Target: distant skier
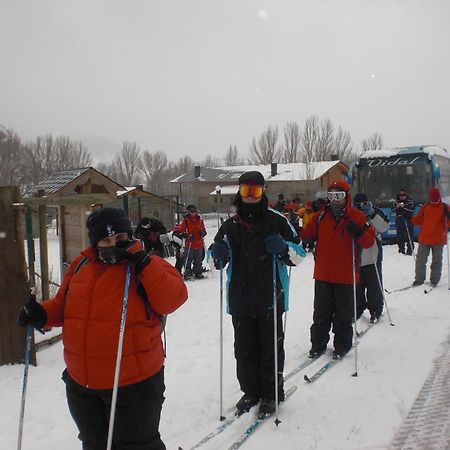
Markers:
<point>248,242</point>
<point>149,230</point>
<point>404,210</point>
<point>434,220</point>
<point>88,307</point>
<point>280,205</point>
<point>194,250</point>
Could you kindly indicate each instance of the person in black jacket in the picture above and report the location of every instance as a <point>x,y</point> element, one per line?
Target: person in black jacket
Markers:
<point>249,241</point>
<point>404,210</point>
<point>148,231</point>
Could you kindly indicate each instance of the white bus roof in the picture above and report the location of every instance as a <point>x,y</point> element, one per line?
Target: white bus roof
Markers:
<point>430,150</point>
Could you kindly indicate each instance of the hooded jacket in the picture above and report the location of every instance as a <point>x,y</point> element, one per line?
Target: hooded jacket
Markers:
<point>333,254</point>
<point>88,306</point>
<point>434,220</point>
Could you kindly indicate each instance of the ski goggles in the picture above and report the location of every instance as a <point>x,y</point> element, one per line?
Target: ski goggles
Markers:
<point>255,191</point>
<point>336,195</point>
<point>362,205</point>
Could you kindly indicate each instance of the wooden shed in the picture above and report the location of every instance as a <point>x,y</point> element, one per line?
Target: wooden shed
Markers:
<point>76,193</point>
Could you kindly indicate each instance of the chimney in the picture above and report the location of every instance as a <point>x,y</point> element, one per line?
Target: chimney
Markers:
<point>196,171</point>
<point>334,157</point>
<point>273,169</point>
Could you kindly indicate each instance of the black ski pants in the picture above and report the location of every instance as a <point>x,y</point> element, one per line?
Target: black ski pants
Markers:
<point>138,410</point>
<point>405,230</point>
<point>333,304</point>
<point>254,353</point>
<point>369,293</point>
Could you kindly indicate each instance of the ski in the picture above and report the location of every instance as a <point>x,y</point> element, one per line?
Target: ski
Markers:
<point>328,365</point>
<point>400,289</point>
<point>257,422</point>
<point>225,424</point>
<point>305,363</point>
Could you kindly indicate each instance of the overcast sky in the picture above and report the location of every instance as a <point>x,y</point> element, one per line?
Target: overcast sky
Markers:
<point>194,76</point>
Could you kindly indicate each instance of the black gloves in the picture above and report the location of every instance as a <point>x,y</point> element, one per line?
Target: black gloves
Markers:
<point>220,254</point>
<point>354,230</point>
<point>140,259</point>
<point>275,245</point>
<point>32,313</point>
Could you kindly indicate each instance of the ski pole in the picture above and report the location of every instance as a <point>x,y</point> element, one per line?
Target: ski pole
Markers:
<point>286,313</point>
<point>275,336</point>
<point>381,290</point>
<point>119,358</point>
<point>354,309</point>
<point>186,258</point>
<point>221,416</point>
<point>409,239</point>
<point>24,384</point>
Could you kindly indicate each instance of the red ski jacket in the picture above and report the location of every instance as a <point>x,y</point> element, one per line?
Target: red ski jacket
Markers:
<point>333,254</point>
<point>195,227</point>
<point>432,218</point>
<point>88,306</point>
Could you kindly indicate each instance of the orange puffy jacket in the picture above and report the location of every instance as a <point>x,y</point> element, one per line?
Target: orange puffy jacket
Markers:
<point>90,313</point>
<point>432,218</point>
<point>333,254</point>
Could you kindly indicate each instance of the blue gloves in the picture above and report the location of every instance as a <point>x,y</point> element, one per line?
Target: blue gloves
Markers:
<point>220,254</point>
<point>275,245</point>
<point>367,209</point>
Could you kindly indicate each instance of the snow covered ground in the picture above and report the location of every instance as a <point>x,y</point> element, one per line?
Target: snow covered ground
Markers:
<point>337,411</point>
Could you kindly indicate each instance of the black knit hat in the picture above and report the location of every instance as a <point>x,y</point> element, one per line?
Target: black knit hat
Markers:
<point>105,222</point>
<point>253,177</point>
<point>360,197</point>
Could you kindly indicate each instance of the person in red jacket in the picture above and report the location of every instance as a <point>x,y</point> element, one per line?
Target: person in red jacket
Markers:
<point>88,307</point>
<point>339,231</point>
<point>434,220</point>
<point>194,251</point>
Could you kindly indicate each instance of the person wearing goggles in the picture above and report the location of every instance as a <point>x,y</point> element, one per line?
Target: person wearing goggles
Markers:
<point>338,231</point>
<point>250,242</point>
<point>433,219</point>
<point>370,290</point>
<point>403,210</point>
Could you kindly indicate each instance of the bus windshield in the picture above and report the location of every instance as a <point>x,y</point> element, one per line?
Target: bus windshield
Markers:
<point>382,178</point>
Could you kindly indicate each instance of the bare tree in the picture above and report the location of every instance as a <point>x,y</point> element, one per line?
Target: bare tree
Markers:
<point>373,142</point>
<point>11,158</point>
<point>292,143</point>
<point>71,154</point>
<point>125,165</point>
<point>154,167</point>
<point>231,157</point>
<point>343,146</point>
<point>264,150</point>
<point>210,161</point>
<point>309,142</point>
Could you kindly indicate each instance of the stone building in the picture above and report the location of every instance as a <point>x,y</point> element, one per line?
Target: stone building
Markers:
<point>203,186</point>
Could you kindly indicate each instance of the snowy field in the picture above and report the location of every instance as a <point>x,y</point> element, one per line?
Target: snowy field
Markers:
<point>338,411</point>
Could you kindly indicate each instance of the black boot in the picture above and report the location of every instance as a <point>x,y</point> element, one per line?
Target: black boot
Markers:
<point>267,407</point>
<point>245,403</point>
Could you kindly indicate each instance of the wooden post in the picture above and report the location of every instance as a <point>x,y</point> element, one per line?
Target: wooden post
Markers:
<point>43,248</point>
<point>30,245</point>
<point>14,289</point>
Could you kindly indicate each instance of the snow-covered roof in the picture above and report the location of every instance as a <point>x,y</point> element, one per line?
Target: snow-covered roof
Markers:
<point>285,172</point>
<point>227,190</point>
<point>431,150</point>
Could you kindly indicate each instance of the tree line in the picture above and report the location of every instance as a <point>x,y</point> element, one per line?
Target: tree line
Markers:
<point>27,163</point>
